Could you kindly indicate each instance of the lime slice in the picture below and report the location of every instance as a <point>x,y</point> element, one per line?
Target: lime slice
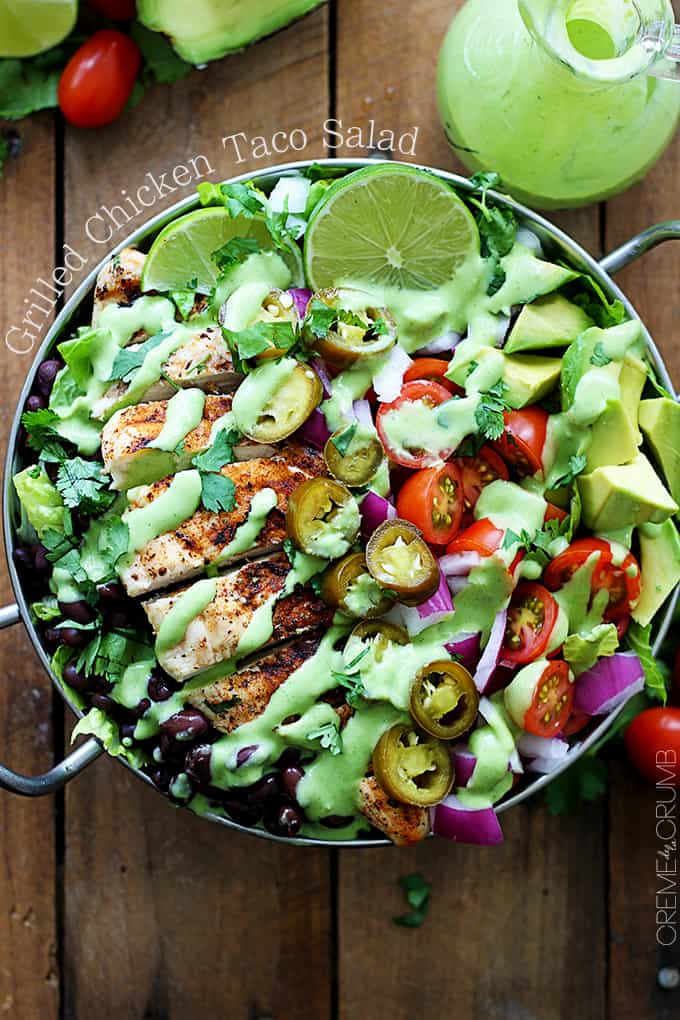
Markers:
<point>182,251</point>
<point>390,226</point>
<point>28,27</point>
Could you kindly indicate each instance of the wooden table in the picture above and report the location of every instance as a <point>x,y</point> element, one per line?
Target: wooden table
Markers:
<point>114,904</point>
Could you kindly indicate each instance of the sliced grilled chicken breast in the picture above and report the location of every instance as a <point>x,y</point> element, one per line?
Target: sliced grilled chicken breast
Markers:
<point>242,697</point>
<point>404,824</point>
<point>126,438</point>
<point>204,538</point>
<point>214,635</point>
<point>119,282</point>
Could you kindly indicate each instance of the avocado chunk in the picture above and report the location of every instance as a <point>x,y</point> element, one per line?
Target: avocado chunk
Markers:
<point>614,438</point>
<point>660,561</point>
<point>551,321</point>
<point>619,495</point>
<point>529,377</point>
<point>526,278</point>
<point>207,29</point>
<point>660,422</point>
<point>632,382</point>
<point>601,349</point>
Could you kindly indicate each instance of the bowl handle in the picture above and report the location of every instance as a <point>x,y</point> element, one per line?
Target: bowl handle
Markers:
<point>639,245</point>
<point>71,766</point>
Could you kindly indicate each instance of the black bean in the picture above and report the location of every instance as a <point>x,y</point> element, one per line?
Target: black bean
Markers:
<point>336,821</point>
<point>188,724</point>
<point>161,777</point>
<point>289,779</point>
<point>264,790</point>
<point>112,593</point>
<point>117,619</point>
<point>291,756</point>
<point>41,563</point>
<point>23,559</point>
<point>169,748</point>
<point>36,403</point>
<point>105,703</point>
<point>197,764</point>
<point>240,810</point>
<point>100,684</point>
<point>75,679</point>
<point>78,611</point>
<point>46,375</point>
<point>283,820</point>
<point>127,731</point>
<point>51,638</point>
<point>160,687</point>
<point>72,637</point>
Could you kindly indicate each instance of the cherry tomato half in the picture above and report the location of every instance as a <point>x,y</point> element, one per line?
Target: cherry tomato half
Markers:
<point>432,370</point>
<point>98,79</point>
<point>482,537</point>
<point>432,499</point>
<point>521,445</point>
<point>621,580</point>
<point>431,394</point>
<point>532,615</point>
<point>117,10</point>
<point>480,471</point>
<point>552,701</point>
<point>653,744</point>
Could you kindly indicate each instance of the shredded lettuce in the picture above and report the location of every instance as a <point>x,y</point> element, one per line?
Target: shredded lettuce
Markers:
<point>97,724</point>
<point>40,499</point>
<point>638,640</point>
<point>582,651</point>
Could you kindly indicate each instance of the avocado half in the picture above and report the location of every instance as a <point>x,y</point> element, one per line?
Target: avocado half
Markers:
<point>206,30</point>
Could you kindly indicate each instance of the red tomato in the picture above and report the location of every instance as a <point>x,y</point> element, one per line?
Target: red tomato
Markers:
<point>482,537</point>
<point>653,745</point>
<point>117,10</point>
<point>432,499</point>
<point>98,79</point>
<point>576,722</point>
<point>624,589</point>
<point>555,513</point>
<point>532,615</point>
<point>433,370</point>
<point>480,471</point>
<point>429,393</point>
<point>521,445</point>
<point>552,701</point>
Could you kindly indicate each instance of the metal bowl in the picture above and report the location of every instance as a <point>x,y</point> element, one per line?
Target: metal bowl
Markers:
<point>556,243</point>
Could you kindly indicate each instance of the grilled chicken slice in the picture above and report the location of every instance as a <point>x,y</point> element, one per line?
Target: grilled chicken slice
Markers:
<point>119,282</point>
<point>177,556</point>
<point>204,360</point>
<point>242,697</point>
<point>404,824</point>
<point>214,635</point>
<point>130,460</point>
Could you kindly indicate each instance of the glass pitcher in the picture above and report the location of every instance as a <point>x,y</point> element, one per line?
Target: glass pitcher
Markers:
<point>571,101</point>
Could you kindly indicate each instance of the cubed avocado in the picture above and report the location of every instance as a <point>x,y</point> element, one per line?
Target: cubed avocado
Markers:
<point>660,561</point>
<point>660,422</point>
<point>529,377</point>
<point>614,438</point>
<point>551,321</point>
<point>207,29</point>
<point>526,278</point>
<point>596,348</point>
<point>632,382</point>
<point>617,496</point>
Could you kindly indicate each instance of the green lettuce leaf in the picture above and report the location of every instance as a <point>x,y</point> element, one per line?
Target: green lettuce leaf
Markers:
<point>40,499</point>
<point>582,651</point>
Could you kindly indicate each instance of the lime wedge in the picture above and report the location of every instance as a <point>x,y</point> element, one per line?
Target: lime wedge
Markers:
<point>28,27</point>
<point>182,251</point>
<point>390,226</point>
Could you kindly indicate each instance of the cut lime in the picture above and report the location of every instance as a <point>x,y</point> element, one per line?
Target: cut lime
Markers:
<point>182,251</point>
<point>28,27</point>
<point>390,226</point>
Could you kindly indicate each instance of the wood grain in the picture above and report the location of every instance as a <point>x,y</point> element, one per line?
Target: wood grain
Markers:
<point>168,916</point>
<point>29,985</point>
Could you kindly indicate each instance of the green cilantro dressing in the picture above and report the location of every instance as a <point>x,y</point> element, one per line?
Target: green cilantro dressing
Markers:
<point>493,745</point>
<point>388,670</point>
<point>415,426</point>
<point>350,385</point>
<point>574,598</point>
<point>258,390</point>
<point>165,513</point>
<point>332,537</point>
<point>363,595</point>
<point>245,536</point>
<point>511,507</point>
<point>244,305</point>
<point>263,269</point>
<point>188,606</point>
<point>183,414</point>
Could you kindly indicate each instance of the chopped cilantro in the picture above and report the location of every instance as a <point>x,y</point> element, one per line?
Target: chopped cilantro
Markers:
<point>234,252</point>
<point>328,736</point>
<point>83,484</point>
<point>315,584</point>
<point>379,328</point>
<point>603,312</point>
<point>343,440</point>
<point>238,199</point>
<point>598,357</point>
<point>220,453</point>
<point>53,452</point>
<point>221,707</point>
<point>417,891</point>
<point>260,337</point>
<point>489,413</point>
<point>217,492</point>
<point>184,301</point>
<point>127,360</point>
<point>577,463</point>
<point>39,426</point>
<point>320,318</point>
<point>498,278</point>
<point>351,680</point>
<point>290,550</point>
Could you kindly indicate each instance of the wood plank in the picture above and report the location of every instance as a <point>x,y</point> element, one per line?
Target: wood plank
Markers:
<point>29,985</point>
<point>167,915</point>
<point>504,937</point>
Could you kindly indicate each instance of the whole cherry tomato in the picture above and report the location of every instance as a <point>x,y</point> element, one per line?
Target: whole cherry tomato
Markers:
<point>98,79</point>
<point>117,10</point>
<point>653,745</point>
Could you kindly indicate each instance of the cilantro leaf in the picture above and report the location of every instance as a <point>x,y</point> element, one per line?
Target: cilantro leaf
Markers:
<point>379,328</point>
<point>329,737</point>
<point>598,357</point>
<point>320,318</point>
<point>220,453</point>
<point>653,381</point>
<point>236,250</point>
<point>417,891</point>
<point>351,679</point>
<point>489,413</point>
<point>315,584</point>
<point>486,180</point>
<point>260,337</point>
<point>160,60</point>
<point>585,780</point>
<point>238,199</point>
<point>183,301</point>
<point>82,484</point>
<point>222,707</point>
<point>217,492</point>
<point>497,280</point>
<point>638,640</point>
<point>127,361</point>
<point>27,86</point>
<point>39,426</point>
<point>53,452</point>
<point>595,304</point>
<point>290,550</point>
<point>342,440</point>
<point>577,463</point>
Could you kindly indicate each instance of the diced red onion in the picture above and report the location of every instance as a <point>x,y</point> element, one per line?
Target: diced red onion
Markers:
<point>442,344</point>
<point>388,381</point>
<point>315,431</point>
<point>374,510</point>
<point>542,747</point>
<point>479,826</point>
<point>363,413</point>
<point>439,603</point>
<point>322,372</point>
<point>466,648</point>
<point>610,683</point>
<point>529,240</point>
<point>245,754</point>
<point>459,564</point>
<point>464,762</point>
<point>456,584</point>
<point>301,298</point>
<point>290,194</point>
<point>491,653</point>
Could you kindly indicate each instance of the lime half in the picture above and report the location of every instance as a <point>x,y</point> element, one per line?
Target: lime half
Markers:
<point>28,27</point>
<point>390,226</point>
<point>182,251</point>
